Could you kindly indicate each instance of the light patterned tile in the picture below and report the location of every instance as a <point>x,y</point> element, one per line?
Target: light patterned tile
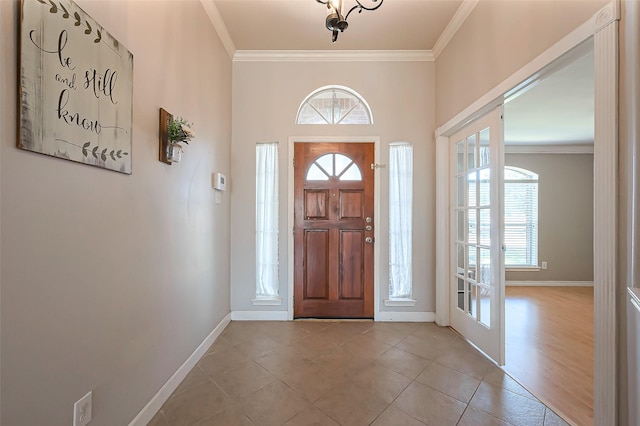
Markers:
<point>382,382</point>
<point>429,406</point>
<point>466,361</point>
<point>273,405</point>
<point>402,362</point>
<point>395,417</point>
<point>450,382</point>
<point>499,378</point>
<point>309,379</point>
<point>195,377</point>
<point>349,407</point>
<point>258,346</point>
<point>508,406</point>
<point>389,333</point>
<point>158,420</point>
<point>552,419</point>
<point>365,346</point>
<point>428,349</point>
<point>474,417</point>
<point>219,345</point>
<point>223,362</point>
<point>334,373</point>
<point>232,416</point>
<point>243,382</point>
<point>198,403</point>
<point>311,417</point>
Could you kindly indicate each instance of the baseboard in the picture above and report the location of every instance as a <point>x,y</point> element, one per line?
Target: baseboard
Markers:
<point>259,315</point>
<point>154,405</point>
<point>391,316</point>
<point>549,283</point>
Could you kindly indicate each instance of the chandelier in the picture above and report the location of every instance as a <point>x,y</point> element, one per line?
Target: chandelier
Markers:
<point>337,20</point>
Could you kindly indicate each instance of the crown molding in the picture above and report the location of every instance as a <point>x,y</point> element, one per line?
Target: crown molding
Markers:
<point>453,26</point>
<point>219,26</point>
<point>333,55</point>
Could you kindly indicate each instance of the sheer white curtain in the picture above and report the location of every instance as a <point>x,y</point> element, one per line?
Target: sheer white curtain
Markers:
<point>267,220</point>
<point>400,219</point>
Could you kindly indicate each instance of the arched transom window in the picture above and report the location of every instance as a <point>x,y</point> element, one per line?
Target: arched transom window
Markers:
<point>334,105</point>
<point>333,166</point>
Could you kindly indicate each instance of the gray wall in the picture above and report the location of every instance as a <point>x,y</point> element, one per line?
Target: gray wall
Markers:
<point>110,281</point>
<point>565,215</point>
<point>498,38</point>
<point>266,97</point>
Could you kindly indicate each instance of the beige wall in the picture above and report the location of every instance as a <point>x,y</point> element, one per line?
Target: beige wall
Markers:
<point>565,215</point>
<point>497,39</point>
<point>109,281</point>
<point>266,97</point>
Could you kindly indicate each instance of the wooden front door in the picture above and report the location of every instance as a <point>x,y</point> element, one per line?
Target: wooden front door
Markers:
<point>333,230</point>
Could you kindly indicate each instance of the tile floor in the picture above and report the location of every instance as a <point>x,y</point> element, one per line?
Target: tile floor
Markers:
<point>348,373</point>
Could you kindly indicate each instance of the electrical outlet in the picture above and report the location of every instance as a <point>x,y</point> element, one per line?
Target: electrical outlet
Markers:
<point>544,265</point>
<point>82,410</point>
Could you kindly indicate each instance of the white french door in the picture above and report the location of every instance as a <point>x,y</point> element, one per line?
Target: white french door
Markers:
<point>477,260</point>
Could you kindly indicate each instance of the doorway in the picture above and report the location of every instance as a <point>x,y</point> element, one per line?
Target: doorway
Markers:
<point>549,307</point>
<point>333,230</point>
<point>602,30</point>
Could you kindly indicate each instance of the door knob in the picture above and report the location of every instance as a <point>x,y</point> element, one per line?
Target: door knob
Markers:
<point>368,240</point>
<point>368,228</point>
<point>368,220</point>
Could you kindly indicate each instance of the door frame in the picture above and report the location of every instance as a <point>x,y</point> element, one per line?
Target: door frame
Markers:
<point>291,205</point>
<point>603,28</point>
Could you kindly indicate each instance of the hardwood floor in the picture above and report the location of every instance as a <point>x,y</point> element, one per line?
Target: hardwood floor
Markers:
<point>549,347</point>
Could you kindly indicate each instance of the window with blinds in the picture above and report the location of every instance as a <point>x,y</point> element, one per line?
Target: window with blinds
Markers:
<point>520,217</point>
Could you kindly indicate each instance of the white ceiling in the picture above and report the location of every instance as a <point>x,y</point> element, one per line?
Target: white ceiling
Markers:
<point>557,110</point>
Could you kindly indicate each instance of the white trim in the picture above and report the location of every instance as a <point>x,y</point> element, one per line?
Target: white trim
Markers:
<point>333,55</point>
<point>400,302</point>
<point>329,87</point>
<point>153,406</point>
<point>454,25</point>
<point>442,230</point>
<point>537,68</point>
<point>219,26</point>
<point>522,269</point>
<point>604,27</point>
<point>549,149</point>
<point>267,301</point>
<point>605,215</point>
<point>390,316</point>
<point>549,283</point>
<point>259,316</point>
<point>376,208</point>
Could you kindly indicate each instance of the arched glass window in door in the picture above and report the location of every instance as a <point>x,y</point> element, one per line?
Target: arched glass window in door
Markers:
<point>333,165</point>
<point>334,105</point>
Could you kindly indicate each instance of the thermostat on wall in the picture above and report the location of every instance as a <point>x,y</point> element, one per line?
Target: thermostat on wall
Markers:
<point>219,181</point>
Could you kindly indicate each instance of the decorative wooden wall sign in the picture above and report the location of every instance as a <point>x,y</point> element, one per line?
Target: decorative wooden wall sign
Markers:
<point>76,87</point>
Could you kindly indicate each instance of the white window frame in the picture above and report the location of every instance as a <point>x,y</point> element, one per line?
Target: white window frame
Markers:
<point>531,221</point>
<point>400,225</point>
<point>267,232</point>
<point>334,119</point>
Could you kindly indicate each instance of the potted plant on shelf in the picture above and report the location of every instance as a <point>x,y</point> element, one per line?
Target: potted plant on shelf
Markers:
<point>178,130</point>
